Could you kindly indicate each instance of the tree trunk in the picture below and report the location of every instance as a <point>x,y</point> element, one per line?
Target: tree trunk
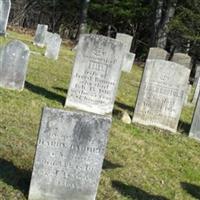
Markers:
<point>83,18</point>
<point>163,30</point>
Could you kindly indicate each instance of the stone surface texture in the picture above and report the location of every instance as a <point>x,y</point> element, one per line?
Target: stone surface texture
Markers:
<point>96,74</point>
<point>161,98</point>
<point>69,155</point>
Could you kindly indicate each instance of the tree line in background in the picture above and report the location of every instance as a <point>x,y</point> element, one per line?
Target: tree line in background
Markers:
<point>170,24</point>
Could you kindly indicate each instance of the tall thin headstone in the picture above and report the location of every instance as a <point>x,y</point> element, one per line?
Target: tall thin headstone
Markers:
<point>195,127</point>
<point>126,40</point>
<point>197,74</point>
<point>4,15</point>
<point>40,35</point>
<point>13,65</point>
<point>161,94</point>
<point>157,53</point>
<point>196,93</point>
<point>53,46</point>
<point>182,59</point>
<point>188,94</point>
<point>96,74</point>
<point>69,155</point>
<point>129,58</point>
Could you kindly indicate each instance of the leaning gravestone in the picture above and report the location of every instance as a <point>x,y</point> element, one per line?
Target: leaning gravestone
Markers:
<point>96,74</point>
<point>182,59</point>
<point>195,127</point>
<point>53,46</point>
<point>69,155</point>
<point>157,53</point>
<point>13,66</point>
<point>161,98</point>
<point>126,40</point>
<point>196,93</point>
<point>40,35</point>
<point>4,15</point>
<point>128,62</point>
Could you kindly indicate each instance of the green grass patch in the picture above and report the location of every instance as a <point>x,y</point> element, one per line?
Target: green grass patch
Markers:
<point>141,163</point>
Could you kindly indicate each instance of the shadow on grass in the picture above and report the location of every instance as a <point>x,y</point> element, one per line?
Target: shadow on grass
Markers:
<point>44,92</point>
<point>61,89</point>
<point>12,175</point>
<point>109,165</point>
<point>134,192</point>
<point>124,106</point>
<point>184,127</point>
<point>192,189</point>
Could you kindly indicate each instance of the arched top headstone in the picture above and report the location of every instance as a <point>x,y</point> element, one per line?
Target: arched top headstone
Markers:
<point>182,59</point>
<point>13,66</point>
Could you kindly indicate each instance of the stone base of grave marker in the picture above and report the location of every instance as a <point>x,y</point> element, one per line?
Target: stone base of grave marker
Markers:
<point>69,155</point>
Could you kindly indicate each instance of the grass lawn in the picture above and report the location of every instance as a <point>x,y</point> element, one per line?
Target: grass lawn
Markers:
<point>141,163</point>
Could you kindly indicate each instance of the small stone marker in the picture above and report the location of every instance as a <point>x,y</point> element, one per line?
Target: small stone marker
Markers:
<point>13,65</point>
<point>53,46</point>
<point>126,40</point>
<point>196,93</point>
<point>69,155</point>
<point>160,99</point>
<point>4,15</point>
<point>157,53</point>
<point>40,35</point>
<point>182,59</point>
<point>128,62</point>
<point>195,127</point>
<point>96,74</point>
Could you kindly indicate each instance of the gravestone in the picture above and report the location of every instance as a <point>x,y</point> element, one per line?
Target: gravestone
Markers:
<point>197,74</point>
<point>4,15</point>
<point>196,93</point>
<point>48,37</point>
<point>96,74</point>
<point>182,59</point>
<point>53,46</point>
<point>128,62</point>
<point>188,94</point>
<point>13,65</point>
<point>161,98</point>
<point>195,127</point>
<point>126,40</point>
<point>40,35</point>
<point>157,53</point>
<point>69,155</point>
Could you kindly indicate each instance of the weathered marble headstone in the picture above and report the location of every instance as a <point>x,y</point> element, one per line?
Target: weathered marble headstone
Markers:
<point>48,37</point>
<point>53,46</point>
<point>69,155</point>
<point>4,15</point>
<point>196,93</point>
<point>182,59</point>
<point>128,61</point>
<point>157,53</point>
<point>40,35</point>
<point>195,127</point>
<point>13,65</point>
<point>161,94</point>
<point>96,74</point>
<point>197,74</point>
<point>126,40</point>
<point>188,94</point>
